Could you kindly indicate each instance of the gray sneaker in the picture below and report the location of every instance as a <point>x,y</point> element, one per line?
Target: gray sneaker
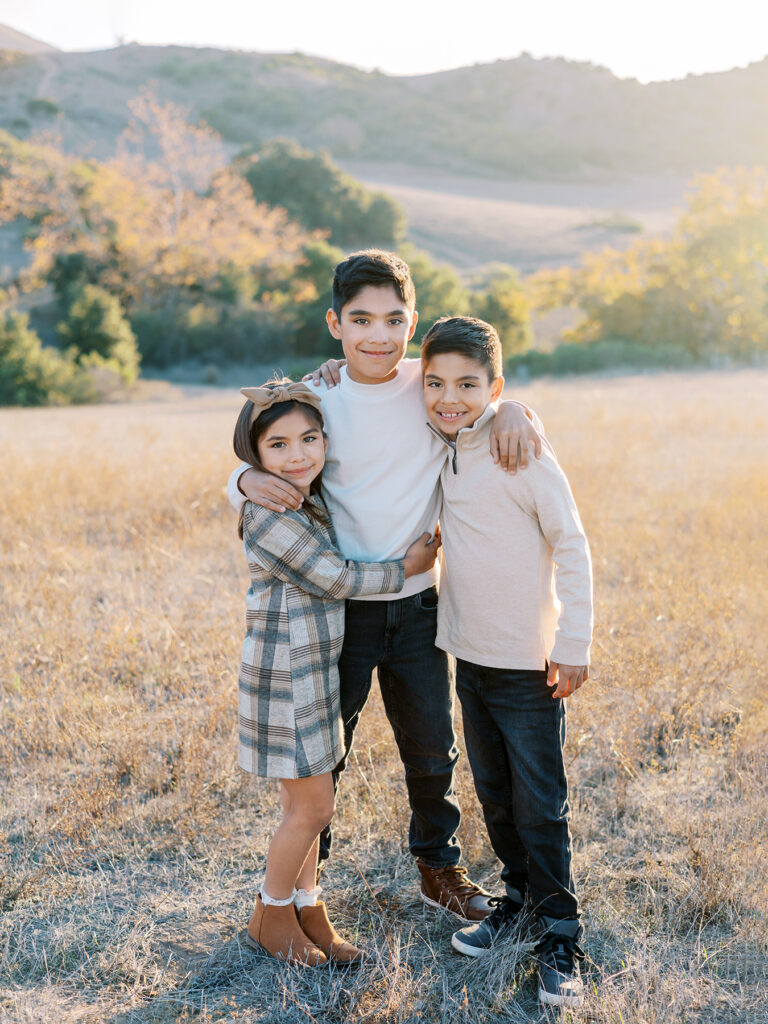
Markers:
<point>558,954</point>
<point>478,939</point>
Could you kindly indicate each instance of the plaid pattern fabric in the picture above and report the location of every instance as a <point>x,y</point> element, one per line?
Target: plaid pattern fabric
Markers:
<point>288,688</point>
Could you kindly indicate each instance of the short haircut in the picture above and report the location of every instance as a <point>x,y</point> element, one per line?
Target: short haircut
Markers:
<point>467,336</point>
<point>375,267</point>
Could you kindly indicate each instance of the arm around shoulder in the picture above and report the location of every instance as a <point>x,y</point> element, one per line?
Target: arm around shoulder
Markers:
<point>247,483</point>
<point>290,548</point>
<point>236,497</point>
<point>515,428</point>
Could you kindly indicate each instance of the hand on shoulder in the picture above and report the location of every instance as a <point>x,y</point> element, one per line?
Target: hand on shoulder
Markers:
<point>513,435</point>
<point>329,373</point>
<point>269,491</point>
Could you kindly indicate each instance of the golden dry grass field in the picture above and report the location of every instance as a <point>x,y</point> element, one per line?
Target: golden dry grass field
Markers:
<point>131,846</point>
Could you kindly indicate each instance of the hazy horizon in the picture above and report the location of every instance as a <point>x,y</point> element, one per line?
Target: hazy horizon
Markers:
<point>660,46</point>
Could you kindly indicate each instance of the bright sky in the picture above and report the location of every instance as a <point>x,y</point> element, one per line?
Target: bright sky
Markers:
<point>645,39</point>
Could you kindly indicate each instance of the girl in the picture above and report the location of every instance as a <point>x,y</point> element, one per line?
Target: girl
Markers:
<point>289,721</point>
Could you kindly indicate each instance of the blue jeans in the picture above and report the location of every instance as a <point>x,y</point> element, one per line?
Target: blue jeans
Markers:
<point>398,638</point>
<point>515,734</point>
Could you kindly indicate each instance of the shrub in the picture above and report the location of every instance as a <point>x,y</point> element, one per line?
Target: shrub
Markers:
<point>439,291</point>
<point>42,107</point>
<point>504,304</point>
<point>96,327</point>
<point>315,272</point>
<point>72,270</point>
<point>703,289</point>
<point>31,374</point>
<point>211,334</point>
<point>319,195</point>
<point>606,354</point>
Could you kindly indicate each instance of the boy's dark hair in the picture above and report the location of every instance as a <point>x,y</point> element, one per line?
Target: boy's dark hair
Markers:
<point>468,336</point>
<point>375,267</point>
<point>246,445</point>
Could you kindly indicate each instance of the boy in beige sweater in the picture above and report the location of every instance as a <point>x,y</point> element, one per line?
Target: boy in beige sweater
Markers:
<point>515,610</point>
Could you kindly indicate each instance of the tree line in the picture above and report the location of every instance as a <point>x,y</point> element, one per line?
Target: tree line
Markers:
<point>700,295</point>
<point>171,252</point>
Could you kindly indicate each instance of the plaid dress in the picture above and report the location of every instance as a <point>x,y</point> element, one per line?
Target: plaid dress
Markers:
<point>288,688</point>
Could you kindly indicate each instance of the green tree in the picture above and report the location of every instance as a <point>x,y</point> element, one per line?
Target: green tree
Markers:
<point>31,374</point>
<point>97,329</point>
<point>312,297</point>
<point>439,291</point>
<point>704,290</point>
<point>70,271</point>
<point>503,303</point>
<point>166,226</point>
<point>320,196</point>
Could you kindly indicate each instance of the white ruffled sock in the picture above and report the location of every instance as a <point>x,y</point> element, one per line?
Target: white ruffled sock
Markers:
<point>306,897</point>
<point>269,901</point>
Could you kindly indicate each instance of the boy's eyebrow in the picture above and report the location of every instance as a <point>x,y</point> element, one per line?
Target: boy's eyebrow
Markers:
<point>365,312</point>
<point>464,376</point>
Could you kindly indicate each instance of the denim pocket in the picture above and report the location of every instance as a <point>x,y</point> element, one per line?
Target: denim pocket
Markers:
<point>428,600</point>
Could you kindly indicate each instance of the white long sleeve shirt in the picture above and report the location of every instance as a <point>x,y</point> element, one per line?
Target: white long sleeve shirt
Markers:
<point>382,470</point>
<point>516,584</point>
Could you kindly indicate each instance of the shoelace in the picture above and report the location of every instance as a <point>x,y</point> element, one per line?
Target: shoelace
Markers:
<point>456,880</point>
<point>503,909</point>
<point>559,951</point>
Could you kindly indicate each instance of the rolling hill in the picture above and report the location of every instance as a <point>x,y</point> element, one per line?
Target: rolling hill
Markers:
<point>15,41</point>
<point>521,118</point>
<point>528,162</point>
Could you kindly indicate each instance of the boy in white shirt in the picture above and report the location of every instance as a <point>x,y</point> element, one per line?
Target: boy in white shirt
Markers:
<point>382,485</point>
<point>516,612</point>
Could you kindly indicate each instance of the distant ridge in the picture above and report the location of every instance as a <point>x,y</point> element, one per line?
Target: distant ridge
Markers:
<point>525,118</point>
<point>12,39</point>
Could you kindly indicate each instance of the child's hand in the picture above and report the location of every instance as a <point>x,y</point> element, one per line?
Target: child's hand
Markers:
<point>329,372</point>
<point>567,677</point>
<point>421,555</point>
<point>512,431</point>
<point>269,491</point>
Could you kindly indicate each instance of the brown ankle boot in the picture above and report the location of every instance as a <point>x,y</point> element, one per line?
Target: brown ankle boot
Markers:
<point>315,924</point>
<point>277,931</point>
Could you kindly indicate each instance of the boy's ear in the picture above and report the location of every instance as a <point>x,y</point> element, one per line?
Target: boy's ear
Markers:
<point>333,324</point>
<point>414,321</point>
<point>496,388</point>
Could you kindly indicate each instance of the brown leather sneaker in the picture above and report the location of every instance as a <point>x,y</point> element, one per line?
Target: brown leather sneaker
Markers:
<point>451,889</point>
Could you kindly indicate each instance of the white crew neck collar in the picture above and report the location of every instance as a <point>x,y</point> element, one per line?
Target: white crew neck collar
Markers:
<point>384,389</point>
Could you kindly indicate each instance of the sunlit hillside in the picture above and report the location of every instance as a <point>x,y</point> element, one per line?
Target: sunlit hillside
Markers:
<point>521,118</point>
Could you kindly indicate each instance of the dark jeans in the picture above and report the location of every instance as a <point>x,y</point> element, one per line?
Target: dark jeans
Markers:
<point>398,638</point>
<point>515,733</point>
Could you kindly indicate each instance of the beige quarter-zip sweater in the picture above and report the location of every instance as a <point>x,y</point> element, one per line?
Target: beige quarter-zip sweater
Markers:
<point>516,579</point>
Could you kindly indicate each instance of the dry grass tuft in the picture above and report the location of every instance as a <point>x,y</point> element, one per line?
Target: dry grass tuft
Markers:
<point>131,846</point>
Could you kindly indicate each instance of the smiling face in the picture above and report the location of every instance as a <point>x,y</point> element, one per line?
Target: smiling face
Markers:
<point>374,329</point>
<point>456,391</point>
<point>293,448</point>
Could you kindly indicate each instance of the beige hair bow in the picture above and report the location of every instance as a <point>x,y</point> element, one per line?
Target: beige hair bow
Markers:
<point>285,391</point>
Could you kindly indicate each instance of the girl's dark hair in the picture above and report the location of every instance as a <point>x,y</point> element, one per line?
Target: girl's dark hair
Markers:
<point>246,444</point>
